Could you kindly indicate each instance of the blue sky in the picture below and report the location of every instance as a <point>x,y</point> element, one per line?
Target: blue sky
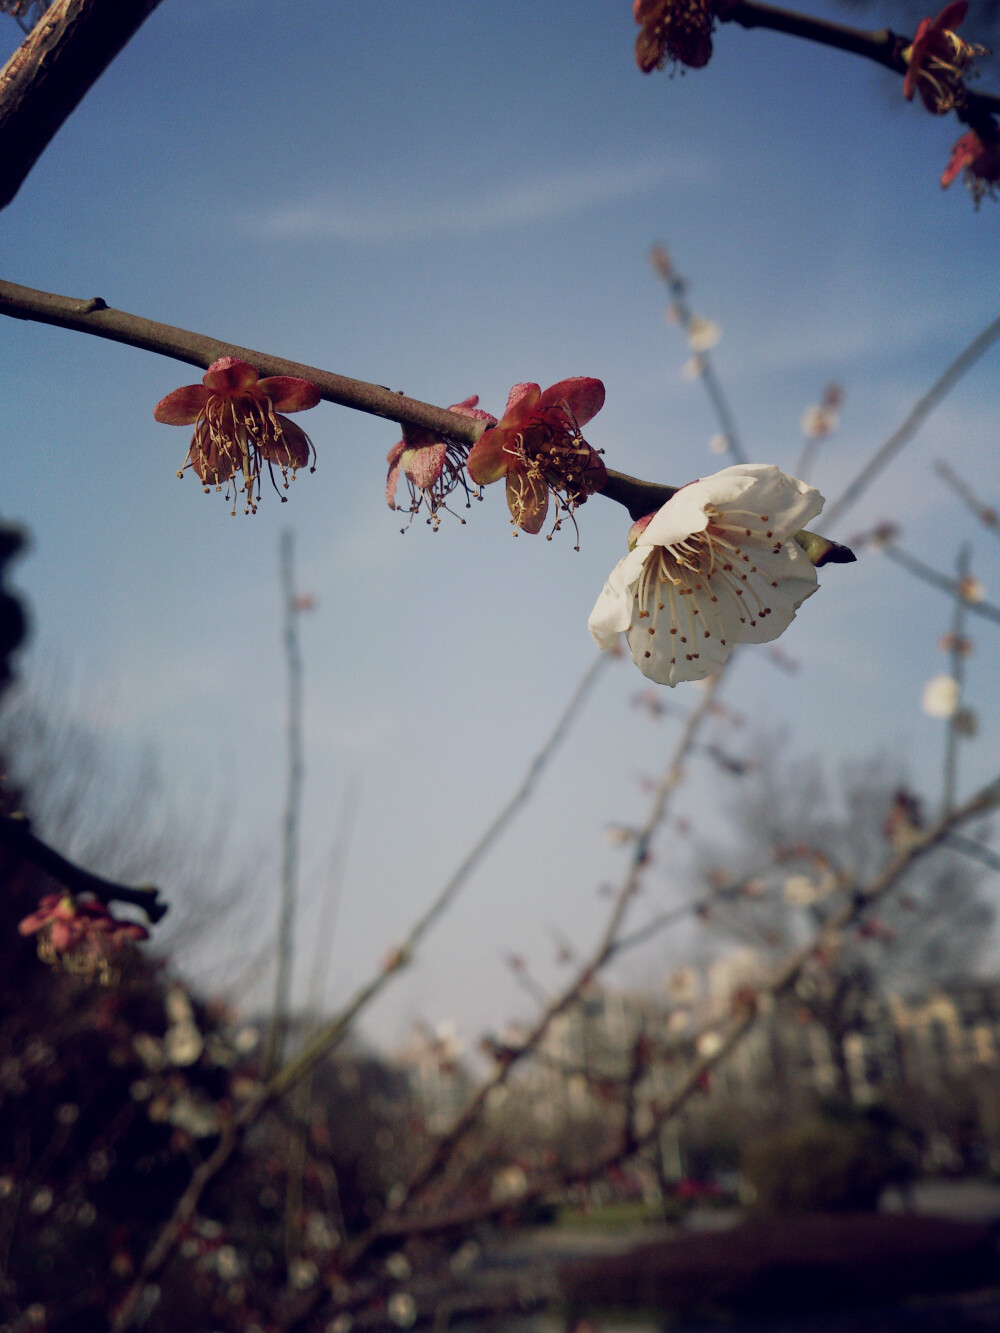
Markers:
<point>447,200</point>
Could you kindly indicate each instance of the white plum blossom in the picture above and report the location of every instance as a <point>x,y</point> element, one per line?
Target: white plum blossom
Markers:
<point>702,334</point>
<point>716,566</point>
<point>940,697</point>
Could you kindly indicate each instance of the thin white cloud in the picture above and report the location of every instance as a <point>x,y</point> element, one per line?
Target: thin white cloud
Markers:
<point>542,199</point>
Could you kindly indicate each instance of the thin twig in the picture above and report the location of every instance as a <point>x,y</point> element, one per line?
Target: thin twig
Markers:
<point>957,655</point>
<point>293,798</point>
<point>327,1038</point>
<point>17,837</point>
<point>914,420</point>
<point>783,979</point>
<point>986,514</point>
<point>441,1153</point>
<point>330,1035</point>
<point>943,581</point>
<point>678,293</point>
<point>986,855</point>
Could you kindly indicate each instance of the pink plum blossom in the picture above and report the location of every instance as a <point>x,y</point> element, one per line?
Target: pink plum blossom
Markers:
<point>538,448</point>
<point>238,426</point>
<point>432,465</point>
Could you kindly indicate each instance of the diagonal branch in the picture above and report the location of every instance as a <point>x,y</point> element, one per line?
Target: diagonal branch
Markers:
<point>96,317</point>
<point>954,587</point>
<point>99,319</point>
<point>17,837</point>
<point>854,906</point>
<point>442,1152</point>
<point>327,1038</point>
<point>905,432</point>
<point>885,47</point>
<point>50,73</point>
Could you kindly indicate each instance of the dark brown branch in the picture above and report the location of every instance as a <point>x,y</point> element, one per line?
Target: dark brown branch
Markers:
<point>17,837</point>
<point>95,316</point>
<point>50,73</point>
<point>884,46</point>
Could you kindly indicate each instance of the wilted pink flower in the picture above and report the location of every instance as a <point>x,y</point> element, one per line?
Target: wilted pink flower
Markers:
<point>79,934</point>
<point>238,425</point>
<point>979,159</point>
<point>938,59</point>
<point>538,447</point>
<point>432,465</point>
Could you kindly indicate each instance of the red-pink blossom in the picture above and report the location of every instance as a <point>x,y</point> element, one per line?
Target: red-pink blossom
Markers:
<point>79,934</point>
<point>238,426</point>
<point>432,465</point>
<point>538,447</point>
<point>676,30</point>
<point>937,60</point>
<point>979,159</point>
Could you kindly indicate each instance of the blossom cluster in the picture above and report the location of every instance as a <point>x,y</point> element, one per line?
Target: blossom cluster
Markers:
<point>937,63</point>
<point>536,448</point>
<point>80,935</point>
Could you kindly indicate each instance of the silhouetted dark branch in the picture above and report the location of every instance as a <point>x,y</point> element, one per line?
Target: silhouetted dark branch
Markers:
<point>17,837</point>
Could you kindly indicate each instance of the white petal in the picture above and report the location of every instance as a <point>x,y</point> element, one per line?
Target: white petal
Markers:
<point>703,334</point>
<point>749,490</point>
<point>683,514</point>
<point>612,611</point>
<point>691,630</point>
<point>940,697</point>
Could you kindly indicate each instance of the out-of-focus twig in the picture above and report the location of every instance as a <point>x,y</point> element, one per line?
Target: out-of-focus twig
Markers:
<point>293,798</point>
<point>328,1037</point>
<point>914,420</point>
<point>986,514</point>
<point>17,837</point>
<point>856,902</point>
<point>968,847</point>
<point>441,1153</point>
<point>947,584</point>
<point>675,284</point>
<point>957,655</point>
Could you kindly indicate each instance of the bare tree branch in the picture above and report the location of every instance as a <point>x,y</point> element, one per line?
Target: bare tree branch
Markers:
<point>885,47</point>
<point>905,432</point>
<point>328,1037</point>
<point>17,837</point>
<point>50,73</point>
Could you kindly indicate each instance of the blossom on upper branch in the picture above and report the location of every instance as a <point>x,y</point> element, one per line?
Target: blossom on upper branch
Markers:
<point>980,160</point>
<point>538,447</point>
<point>79,934</point>
<point>938,59</point>
<point>432,465</point>
<point>678,30</point>
<point>716,566</point>
<point>238,425</point>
